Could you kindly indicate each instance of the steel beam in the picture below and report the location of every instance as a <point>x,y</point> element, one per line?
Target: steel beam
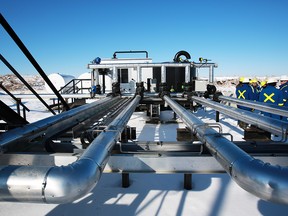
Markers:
<point>32,60</point>
<point>135,163</point>
<point>26,83</point>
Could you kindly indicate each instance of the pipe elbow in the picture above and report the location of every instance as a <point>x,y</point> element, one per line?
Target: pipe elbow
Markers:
<point>68,183</point>
<point>268,182</point>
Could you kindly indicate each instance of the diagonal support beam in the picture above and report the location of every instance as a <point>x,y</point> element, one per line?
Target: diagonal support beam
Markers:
<point>29,56</point>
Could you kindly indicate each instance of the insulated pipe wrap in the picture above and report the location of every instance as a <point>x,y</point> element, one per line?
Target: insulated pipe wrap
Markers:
<point>22,183</point>
<point>50,126</point>
<point>271,125</point>
<point>66,183</point>
<point>261,179</point>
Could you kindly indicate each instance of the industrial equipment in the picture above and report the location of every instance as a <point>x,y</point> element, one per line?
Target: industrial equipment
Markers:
<point>97,139</point>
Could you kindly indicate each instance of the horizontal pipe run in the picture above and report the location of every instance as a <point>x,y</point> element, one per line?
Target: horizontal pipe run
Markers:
<point>270,108</point>
<point>131,51</point>
<point>13,140</point>
<point>271,125</point>
<point>150,65</point>
<point>53,184</point>
<point>261,179</point>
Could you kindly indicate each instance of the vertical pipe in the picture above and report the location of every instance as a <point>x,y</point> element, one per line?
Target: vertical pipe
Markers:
<point>163,74</point>
<point>115,75</point>
<point>187,74</point>
<point>93,78</point>
<point>96,76</point>
<point>139,74</point>
<point>211,74</point>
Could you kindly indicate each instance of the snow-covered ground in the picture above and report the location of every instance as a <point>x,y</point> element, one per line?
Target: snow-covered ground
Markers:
<point>155,194</point>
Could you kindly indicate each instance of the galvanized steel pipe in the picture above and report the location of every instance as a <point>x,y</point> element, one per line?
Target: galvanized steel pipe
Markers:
<point>48,127</point>
<point>66,183</point>
<point>261,179</point>
<point>163,74</point>
<point>187,74</point>
<point>270,108</point>
<point>211,74</point>
<point>271,125</point>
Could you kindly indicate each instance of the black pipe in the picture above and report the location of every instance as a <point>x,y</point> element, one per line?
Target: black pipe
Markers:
<point>26,52</point>
<point>181,53</point>
<point>114,55</point>
<point>25,83</point>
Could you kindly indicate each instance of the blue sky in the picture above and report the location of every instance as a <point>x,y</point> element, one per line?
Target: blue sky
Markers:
<point>243,37</point>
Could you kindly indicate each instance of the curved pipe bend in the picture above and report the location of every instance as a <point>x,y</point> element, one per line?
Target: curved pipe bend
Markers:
<point>268,182</point>
<point>48,184</point>
<point>66,183</point>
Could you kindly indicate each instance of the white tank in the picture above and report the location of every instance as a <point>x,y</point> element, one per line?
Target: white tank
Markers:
<point>58,80</point>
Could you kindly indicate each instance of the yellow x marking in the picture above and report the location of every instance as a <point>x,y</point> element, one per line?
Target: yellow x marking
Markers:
<point>241,94</point>
<point>269,97</point>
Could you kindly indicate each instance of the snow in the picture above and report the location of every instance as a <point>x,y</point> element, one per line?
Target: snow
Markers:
<point>155,194</point>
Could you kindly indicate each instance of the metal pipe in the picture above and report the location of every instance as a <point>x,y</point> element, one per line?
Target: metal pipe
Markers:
<point>114,55</point>
<point>66,183</point>
<point>139,74</point>
<point>271,125</point>
<point>96,77</point>
<point>32,60</point>
<point>261,179</point>
<point>115,74</point>
<point>150,65</point>
<point>211,74</point>
<point>93,77</point>
<point>282,111</point>
<point>187,74</point>
<point>163,74</point>
<point>46,128</point>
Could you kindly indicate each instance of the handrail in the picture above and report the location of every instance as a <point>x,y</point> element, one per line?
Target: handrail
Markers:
<point>75,82</point>
<point>16,99</point>
<point>32,60</point>
<point>25,83</point>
